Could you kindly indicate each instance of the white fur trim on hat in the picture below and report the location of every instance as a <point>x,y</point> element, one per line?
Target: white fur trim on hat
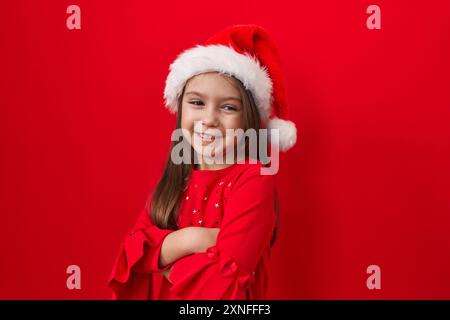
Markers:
<point>287,135</point>
<point>223,59</point>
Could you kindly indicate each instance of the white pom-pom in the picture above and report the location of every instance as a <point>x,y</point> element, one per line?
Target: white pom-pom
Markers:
<point>287,133</point>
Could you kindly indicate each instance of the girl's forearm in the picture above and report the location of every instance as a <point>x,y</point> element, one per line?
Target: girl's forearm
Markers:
<point>176,245</point>
<point>186,241</point>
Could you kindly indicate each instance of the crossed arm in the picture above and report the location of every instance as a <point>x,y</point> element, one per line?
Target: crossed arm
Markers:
<point>184,242</point>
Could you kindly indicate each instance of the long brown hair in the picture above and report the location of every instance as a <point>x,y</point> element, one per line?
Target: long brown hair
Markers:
<point>163,205</point>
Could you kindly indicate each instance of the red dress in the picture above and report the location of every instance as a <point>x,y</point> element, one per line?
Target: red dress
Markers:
<point>239,201</point>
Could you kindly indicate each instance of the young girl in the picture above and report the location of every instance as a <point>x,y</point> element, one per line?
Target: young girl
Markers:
<point>207,231</point>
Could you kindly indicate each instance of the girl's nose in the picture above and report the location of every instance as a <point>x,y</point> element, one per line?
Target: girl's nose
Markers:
<point>210,118</point>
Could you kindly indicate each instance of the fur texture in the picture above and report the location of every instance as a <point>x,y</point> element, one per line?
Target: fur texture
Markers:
<point>223,59</point>
<point>287,133</point>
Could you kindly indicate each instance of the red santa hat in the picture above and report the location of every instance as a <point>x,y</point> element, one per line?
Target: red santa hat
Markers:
<point>247,53</point>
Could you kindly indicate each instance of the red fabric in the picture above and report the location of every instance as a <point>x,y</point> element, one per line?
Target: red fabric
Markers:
<point>239,201</point>
<point>256,41</point>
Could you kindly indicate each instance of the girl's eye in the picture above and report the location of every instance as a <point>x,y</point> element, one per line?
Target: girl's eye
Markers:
<point>196,102</point>
<point>229,108</point>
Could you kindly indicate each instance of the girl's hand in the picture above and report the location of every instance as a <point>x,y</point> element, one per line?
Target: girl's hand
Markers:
<point>166,273</point>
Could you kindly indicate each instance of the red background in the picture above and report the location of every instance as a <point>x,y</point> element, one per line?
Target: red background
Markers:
<point>84,136</point>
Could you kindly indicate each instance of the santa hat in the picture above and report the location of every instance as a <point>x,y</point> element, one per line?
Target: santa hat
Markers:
<point>247,53</point>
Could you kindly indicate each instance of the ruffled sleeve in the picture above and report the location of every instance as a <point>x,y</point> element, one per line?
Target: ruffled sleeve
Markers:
<point>131,277</point>
<point>225,271</point>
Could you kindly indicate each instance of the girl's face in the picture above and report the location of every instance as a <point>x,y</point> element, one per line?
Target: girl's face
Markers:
<point>211,104</point>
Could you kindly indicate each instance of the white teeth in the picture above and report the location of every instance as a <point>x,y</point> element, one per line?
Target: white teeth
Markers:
<point>206,137</point>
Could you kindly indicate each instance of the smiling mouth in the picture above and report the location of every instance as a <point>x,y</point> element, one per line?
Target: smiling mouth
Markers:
<point>206,137</point>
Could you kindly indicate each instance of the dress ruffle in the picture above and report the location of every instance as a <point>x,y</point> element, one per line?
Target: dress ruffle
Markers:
<point>139,252</point>
<point>229,268</point>
<point>210,275</point>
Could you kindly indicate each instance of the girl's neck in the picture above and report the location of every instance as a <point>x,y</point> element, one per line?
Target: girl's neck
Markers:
<point>213,166</point>
<point>206,165</point>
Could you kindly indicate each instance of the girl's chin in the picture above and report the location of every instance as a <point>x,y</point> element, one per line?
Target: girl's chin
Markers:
<point>206,143</point>
<point>207,150</point>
